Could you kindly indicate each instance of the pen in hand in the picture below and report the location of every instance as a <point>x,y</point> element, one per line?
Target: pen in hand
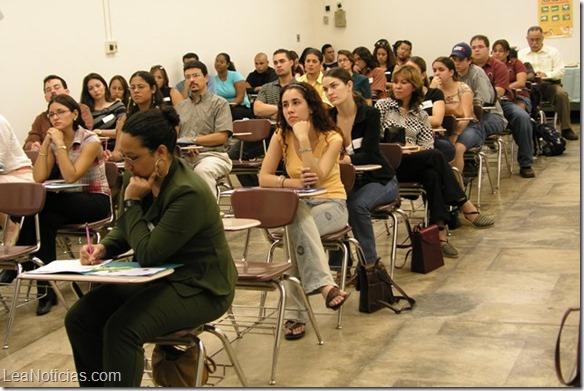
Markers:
<point>89,248</point>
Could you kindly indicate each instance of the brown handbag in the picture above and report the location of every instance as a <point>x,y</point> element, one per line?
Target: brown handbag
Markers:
<point>174,367</point>
<point>426,250</point>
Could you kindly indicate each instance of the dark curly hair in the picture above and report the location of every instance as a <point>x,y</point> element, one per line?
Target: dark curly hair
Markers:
<point>320,119</point>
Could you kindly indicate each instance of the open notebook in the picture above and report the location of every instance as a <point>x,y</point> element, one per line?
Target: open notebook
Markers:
<point>107,268</point>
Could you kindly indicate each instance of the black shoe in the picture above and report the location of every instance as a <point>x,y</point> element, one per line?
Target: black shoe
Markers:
<point>569,134</point>
<point>7,276</point>
<point>527,172</point>
<point>45,305</point>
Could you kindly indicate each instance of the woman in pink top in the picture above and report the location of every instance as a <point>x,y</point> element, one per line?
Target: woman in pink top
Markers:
<point>74,154</point>
<point>310,144</point>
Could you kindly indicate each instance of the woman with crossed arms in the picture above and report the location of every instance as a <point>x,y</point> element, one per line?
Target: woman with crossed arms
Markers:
<point>427,166</point>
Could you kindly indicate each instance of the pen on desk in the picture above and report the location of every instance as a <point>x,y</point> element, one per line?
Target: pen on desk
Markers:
<point>89,248</point>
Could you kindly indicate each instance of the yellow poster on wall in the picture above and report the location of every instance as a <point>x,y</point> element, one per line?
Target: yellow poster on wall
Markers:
<point>556,18</point>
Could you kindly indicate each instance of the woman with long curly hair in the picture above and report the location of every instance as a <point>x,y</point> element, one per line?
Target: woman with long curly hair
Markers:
<point>311,145</point>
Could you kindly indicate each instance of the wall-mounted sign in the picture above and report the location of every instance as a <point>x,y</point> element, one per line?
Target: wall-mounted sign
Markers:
<point>556,18</point>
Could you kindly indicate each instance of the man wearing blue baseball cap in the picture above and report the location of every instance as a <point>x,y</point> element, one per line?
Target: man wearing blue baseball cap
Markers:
<point>493,121</point>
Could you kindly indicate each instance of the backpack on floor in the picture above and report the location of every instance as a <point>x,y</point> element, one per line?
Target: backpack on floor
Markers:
<point>552,141</point>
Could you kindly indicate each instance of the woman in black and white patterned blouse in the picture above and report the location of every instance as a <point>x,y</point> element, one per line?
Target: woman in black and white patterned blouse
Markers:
<point>426,165</point>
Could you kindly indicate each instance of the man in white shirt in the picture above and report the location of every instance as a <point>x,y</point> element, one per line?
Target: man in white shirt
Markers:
<point>549,67</point>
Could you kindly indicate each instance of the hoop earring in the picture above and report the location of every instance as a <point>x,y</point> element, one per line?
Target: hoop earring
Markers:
<point>156,168</point>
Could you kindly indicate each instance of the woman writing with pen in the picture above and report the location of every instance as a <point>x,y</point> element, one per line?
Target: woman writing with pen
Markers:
<point>74,154</point>
<point>169,216</point>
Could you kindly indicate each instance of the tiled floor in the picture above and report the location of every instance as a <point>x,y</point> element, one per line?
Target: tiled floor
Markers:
<point>486,319</point>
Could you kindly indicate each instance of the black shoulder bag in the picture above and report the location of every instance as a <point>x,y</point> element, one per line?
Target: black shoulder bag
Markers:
<point>376,289</point>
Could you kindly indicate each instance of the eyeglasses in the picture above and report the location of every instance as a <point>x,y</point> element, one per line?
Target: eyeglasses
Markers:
<point>57,113</point>
<point>131,160</point>
<point>340,60</point>
<point>535,39</point>
<point>192,76</point>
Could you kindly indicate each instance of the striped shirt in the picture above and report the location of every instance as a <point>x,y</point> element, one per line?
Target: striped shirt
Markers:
<point>107,118</point>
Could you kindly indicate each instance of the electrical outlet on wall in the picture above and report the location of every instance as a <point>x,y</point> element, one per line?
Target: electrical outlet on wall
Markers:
<point>111,47</point>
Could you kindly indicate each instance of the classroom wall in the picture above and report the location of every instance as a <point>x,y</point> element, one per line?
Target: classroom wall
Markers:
<point>67,37</point>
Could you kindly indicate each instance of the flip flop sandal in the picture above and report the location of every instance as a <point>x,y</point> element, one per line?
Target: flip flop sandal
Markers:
<point>335,292</point>
<point>290,325</point>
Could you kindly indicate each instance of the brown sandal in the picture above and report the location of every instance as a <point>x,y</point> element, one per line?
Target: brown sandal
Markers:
<point>334,293</point>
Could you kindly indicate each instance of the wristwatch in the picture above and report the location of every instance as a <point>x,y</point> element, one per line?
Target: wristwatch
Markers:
<point>131,202</point>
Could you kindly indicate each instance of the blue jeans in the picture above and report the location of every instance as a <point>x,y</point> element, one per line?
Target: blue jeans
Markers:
<point>360,202</point>
<point>444,145</point>
<point>474,134</point>
<point>520,125</point>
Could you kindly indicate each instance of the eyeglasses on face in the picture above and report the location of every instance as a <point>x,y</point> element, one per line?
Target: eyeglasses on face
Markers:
<point>131,160</point>
<point>57,113</point>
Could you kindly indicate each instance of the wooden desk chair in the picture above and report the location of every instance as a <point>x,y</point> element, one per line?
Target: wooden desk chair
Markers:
<point>274,208</point>
<point>20,200</point>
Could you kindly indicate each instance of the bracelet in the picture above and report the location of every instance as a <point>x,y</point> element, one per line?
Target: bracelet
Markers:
<point>62,147</point>
<point>302,150</point>
<point>281,180</point>
<point>42,154</point>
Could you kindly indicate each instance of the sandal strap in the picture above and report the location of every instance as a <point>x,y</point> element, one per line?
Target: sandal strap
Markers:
<point>476,212</point>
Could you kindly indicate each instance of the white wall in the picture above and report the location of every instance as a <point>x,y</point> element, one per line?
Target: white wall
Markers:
<point>67,37</point>
<point>434,27</point>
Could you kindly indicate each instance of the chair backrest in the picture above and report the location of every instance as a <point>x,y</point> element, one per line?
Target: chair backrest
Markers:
<point>392,152</point>
<point>449,123</point>
<point>347,176</point>
<point>272,207</point>
<point>32,155</point>
<point>22,198</point>
<point>111,173</point>
<point>258,127</point>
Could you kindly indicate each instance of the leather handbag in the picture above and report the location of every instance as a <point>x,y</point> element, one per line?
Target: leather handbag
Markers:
<point>174,367</point>
<point>426,249</point>
<point>376,289</point>
<point>394,134</point>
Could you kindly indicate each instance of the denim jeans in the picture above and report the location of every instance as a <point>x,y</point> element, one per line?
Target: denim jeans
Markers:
<point>360,202</point>
<point>474,134</point>
<point>314,218</point>
<point>520,125</point>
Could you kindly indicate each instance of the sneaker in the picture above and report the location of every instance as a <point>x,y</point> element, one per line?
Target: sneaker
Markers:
<point>448,250</point>
<point>527,172</point>
<point>569,134</point>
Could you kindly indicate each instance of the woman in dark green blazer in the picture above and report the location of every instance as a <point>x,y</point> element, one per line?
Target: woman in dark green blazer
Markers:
<point>169,216</point>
